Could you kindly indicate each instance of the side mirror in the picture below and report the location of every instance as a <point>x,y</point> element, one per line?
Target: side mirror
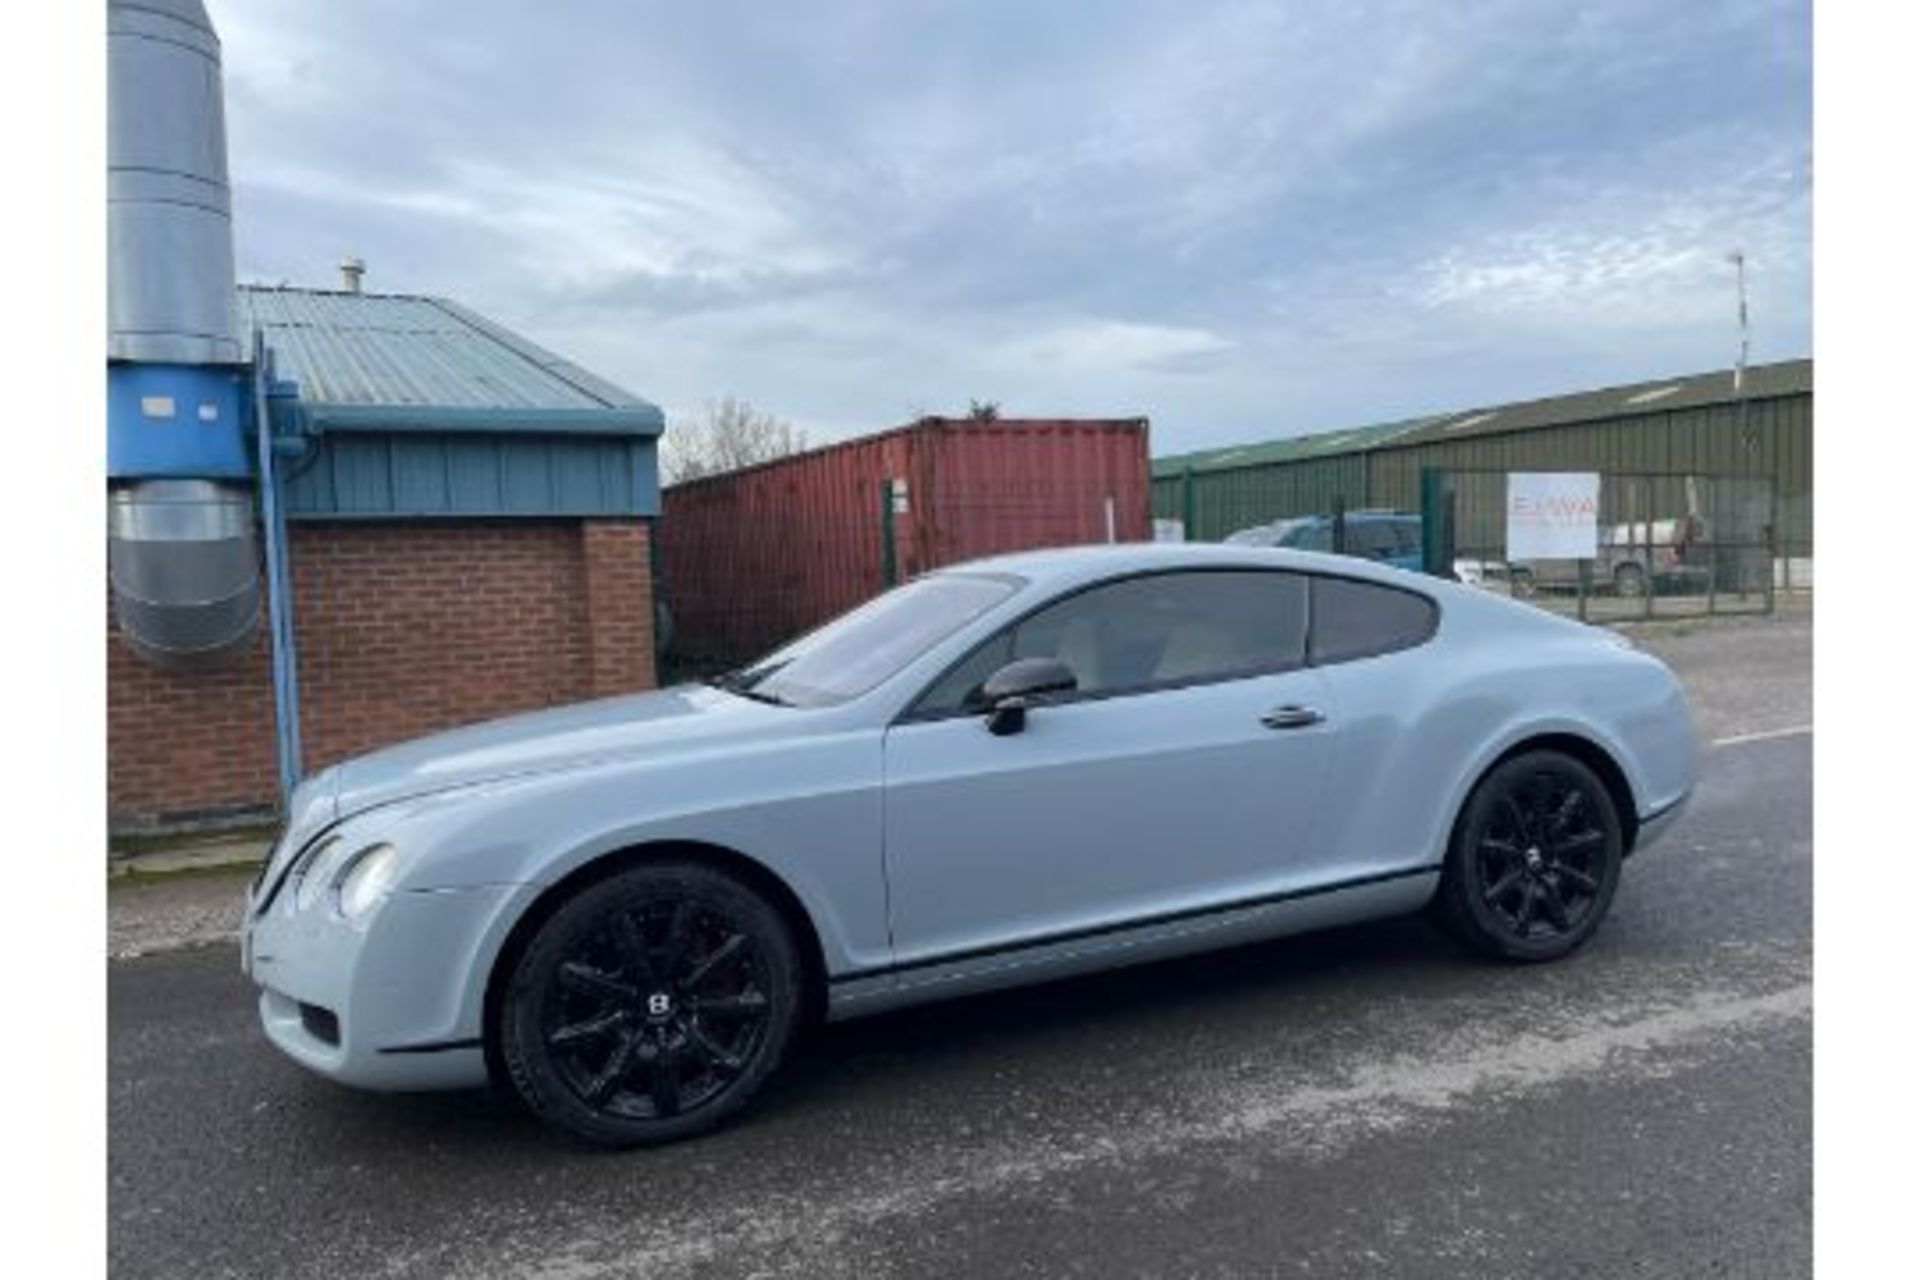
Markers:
<point>1009,691</point>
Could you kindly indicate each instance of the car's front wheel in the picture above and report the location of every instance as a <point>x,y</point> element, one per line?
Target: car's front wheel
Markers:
<point>651,1005</point>
<point>1534,861</point>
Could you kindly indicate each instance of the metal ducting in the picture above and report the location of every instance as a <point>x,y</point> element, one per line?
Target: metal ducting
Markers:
<point>184,569</point>
<point>169,212</point>
<point>182,551</point>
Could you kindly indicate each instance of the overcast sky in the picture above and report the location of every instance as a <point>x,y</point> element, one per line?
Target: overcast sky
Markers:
<point>1242,220</point>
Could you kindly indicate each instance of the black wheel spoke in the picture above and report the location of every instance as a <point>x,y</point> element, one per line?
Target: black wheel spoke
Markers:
<point>1523,916</point>
<point>714,959</point>
<point>663,1083</point>
<point>1504,885</point>
<point>1555,907</point>
<point>1568,808</point>
<point>616,1069</point>
<point>1506,848</point>
<point>1578,879</point>
<point>1542,815</point>
<point>633,947</point>
<point>1521,827</point>
<point>679,932</point>
<point>591,1029</point>
<point>715,1053</point>
<point>588,981</point>
<point>1579,840</point>
<point>746,1002</point>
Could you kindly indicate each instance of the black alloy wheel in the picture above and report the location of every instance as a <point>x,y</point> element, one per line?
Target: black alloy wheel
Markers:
<point>650,1006</point>
<point>1535,859</point>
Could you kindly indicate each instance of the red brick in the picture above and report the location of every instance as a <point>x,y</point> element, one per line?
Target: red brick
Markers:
<point>402,629</point>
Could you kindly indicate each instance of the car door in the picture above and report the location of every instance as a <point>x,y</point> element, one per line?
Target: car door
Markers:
<point>1185,772</point>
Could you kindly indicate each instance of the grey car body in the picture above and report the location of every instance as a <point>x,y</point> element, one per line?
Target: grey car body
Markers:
<point>919,856</point>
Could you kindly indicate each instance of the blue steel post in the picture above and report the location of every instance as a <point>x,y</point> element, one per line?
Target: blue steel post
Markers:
<point>286,670</point>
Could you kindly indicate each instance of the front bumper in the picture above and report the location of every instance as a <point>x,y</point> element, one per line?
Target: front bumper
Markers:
<point>389,1002</point>
<point>1654,826</point>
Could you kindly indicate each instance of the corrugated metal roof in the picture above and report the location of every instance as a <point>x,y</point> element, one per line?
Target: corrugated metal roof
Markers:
<point>1662,395</point>
<point>398,350</point>
<point>1292,449</point>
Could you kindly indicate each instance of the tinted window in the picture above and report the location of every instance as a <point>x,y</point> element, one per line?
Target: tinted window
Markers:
<point>1408,532</point>
<point>858,650</point>
<point>1360,619</point>
<point>1148,631</point>
<point>1371,538</point>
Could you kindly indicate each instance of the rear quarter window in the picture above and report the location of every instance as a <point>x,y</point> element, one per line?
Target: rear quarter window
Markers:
<point>1353,619</point>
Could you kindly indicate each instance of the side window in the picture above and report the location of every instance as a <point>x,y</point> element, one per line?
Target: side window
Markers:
<point>1148,631</point>
<point>959,689</point>
<point>1408,533</point>
<point>1371,539</point>
<point>1363,619</point>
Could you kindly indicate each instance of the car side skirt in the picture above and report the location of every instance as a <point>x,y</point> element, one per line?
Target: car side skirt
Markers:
<point>1134,942</point>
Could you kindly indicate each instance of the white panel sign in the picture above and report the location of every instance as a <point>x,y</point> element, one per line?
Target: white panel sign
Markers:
<point>1553,515</point>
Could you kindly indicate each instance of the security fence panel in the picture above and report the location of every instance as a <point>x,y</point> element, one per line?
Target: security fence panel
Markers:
<point>1662,545</point>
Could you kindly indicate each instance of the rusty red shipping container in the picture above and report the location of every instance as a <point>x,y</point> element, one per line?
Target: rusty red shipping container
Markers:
<point>754,557</point>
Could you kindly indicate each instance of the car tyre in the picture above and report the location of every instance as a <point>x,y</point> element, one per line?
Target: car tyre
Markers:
<point>650,1006</point>
<point>1629,582</point>
<point>1534,860</point>
<point>1520,582</point>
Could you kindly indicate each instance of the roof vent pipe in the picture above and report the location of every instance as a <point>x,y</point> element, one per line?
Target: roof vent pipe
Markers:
<point>351,270</point>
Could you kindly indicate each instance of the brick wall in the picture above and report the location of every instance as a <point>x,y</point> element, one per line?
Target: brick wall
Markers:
<point>402,628</point>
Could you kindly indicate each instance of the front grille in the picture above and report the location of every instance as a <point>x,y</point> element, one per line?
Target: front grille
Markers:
<point>322,1024</point>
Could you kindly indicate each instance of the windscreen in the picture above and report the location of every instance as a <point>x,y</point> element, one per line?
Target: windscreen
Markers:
<point>856,651</point>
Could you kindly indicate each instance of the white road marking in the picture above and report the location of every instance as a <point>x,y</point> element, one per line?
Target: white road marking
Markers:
<point>815,1234</point>
<point>1763,735</point>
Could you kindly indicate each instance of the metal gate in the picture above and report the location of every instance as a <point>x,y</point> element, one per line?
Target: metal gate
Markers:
<point>1668,545</point>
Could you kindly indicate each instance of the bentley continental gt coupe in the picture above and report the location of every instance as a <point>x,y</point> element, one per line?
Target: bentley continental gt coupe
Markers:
<point>1003,772</point>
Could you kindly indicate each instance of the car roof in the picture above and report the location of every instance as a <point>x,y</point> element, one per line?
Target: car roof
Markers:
<point>1062,569</point>
<point>1064,565</point>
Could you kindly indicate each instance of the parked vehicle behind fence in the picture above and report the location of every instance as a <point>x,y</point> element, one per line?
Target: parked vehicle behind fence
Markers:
<point>1388,537</point>
<point>1633,559</point>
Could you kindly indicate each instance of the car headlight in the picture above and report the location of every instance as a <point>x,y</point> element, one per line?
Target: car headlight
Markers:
<point>367,879</point>
<point>315,873</point>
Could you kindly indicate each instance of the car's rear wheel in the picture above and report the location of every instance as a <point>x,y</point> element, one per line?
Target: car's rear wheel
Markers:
<point>650,1006</point>
<point>1535,859</point>
<point>1630,581</point>
<point>1521,581</point>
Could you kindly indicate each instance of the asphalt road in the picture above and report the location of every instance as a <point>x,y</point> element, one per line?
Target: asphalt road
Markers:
<point>1366,1102</point>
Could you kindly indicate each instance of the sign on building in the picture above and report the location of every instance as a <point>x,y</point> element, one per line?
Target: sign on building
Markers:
<point>1553,515</point>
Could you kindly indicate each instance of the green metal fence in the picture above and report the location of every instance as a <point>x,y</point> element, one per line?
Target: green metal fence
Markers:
<point>1668,545</point>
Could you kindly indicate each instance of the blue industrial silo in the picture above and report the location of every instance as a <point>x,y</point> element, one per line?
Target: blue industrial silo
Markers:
<point>183,559</point>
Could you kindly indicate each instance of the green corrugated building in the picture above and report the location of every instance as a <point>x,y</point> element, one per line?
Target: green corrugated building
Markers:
<point>1694,425</point>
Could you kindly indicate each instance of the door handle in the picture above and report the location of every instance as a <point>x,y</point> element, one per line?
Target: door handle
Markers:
<point>1291,717</point>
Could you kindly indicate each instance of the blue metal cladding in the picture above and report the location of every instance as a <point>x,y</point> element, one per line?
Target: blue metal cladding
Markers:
<point>429,475</point>
<point>177,421</point>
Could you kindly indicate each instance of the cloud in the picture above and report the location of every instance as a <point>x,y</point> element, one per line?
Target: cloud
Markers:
<point>1240,219</point>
